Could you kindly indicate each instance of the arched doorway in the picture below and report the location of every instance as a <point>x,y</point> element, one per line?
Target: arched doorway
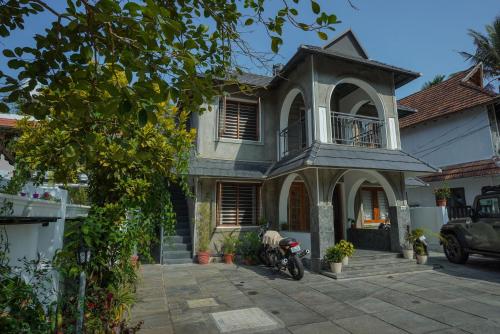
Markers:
<point>293,123</point>
<point>362,199</point>
<point>357,115</point>
<point>294,210</point>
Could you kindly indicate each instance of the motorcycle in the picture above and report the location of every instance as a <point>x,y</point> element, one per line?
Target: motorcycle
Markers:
<point>281,253</point>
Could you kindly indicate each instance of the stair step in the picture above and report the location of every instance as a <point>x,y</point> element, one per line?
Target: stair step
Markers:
<point>177,261</point>
<point>379,272</point>
<point>377,266</point>
<point>177,246</point>
<point>369,256</point>
<point>177,239</point>
<point>183,232</point>
<point>178,254</point>
<point>379,262</point>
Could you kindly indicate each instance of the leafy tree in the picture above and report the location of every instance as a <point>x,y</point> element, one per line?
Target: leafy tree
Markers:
<point>112,85</point>
<point>487,49</point>
<point>437,79</point>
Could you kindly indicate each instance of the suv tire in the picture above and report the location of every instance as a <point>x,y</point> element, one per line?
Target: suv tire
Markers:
<point>453,250</point>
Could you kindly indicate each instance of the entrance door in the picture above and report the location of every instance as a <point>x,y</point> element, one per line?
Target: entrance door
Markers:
<point>298,208</point>
<point>338,226</point>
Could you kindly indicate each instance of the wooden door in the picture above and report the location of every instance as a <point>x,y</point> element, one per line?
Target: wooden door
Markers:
<point>298,208</point>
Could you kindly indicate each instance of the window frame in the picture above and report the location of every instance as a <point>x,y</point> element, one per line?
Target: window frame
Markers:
<point>222,105</point>
<point>495,216</point>
<point>375,200</point>
<point>218,203</point>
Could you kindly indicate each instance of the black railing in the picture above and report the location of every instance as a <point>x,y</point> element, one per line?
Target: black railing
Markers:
<point>458,212</point>
<point>354,130</point>
<point>293,138</point>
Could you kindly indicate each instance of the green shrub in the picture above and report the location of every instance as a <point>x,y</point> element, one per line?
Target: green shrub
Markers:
<point>229,243</point>
<point>346,247</point>
<point>249,245</point>
<point>334,254</point>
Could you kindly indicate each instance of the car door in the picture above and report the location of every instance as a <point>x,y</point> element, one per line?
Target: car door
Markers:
<point>485,229</point>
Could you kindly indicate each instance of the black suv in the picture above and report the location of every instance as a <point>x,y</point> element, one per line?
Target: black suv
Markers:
<point>477,234</point>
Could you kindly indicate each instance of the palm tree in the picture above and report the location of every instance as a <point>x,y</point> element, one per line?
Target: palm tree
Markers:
<point>487,49</point>
<point>437,79</point>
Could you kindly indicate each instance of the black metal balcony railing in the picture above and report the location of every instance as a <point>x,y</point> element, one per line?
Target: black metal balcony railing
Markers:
<point>293,138</point>
<point>354,130</point>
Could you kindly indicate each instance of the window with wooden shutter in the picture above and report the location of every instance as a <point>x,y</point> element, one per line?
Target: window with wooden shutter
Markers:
<point>238,203</point>
<point>375,205</point>
<point>238,120</point>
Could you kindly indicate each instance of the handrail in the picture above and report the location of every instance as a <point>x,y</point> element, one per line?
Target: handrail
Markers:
<point>292,138</point>
<point>356,130</point>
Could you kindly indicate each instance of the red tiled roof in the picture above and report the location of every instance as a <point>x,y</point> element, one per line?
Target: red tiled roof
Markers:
<point>469,169</point>
<point>449,96</point>
<point>7,122</point>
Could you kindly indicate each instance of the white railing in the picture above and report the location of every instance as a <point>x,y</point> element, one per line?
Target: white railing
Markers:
<point>354,130</point>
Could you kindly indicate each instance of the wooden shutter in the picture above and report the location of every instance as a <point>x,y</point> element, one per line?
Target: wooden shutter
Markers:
<point>298,208</point>
<point>367,200</point>
<point>238,203</point>
<point>240,120</point>
<point>383,205</point>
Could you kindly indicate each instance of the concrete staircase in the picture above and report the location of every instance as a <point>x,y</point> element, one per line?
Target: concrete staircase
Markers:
<point>367,263</point>
<point>177,248</point>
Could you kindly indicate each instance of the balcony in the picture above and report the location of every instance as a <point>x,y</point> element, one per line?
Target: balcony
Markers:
<point>364,131</point>
<point>293,138</point>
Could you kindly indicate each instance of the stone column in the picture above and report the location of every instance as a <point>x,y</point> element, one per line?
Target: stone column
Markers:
<point>400,223</point>
<point>322,233</point>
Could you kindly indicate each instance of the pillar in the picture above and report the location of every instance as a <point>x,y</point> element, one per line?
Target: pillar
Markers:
<point>400,223</point>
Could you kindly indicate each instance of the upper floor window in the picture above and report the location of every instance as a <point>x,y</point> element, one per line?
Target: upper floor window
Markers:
<point>238,119</point>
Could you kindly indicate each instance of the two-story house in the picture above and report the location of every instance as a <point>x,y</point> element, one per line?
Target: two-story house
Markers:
<point>456,127</point>
<point>314,150</point>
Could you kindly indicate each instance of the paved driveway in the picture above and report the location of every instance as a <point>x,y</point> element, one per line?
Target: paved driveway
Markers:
<point>199,299</point>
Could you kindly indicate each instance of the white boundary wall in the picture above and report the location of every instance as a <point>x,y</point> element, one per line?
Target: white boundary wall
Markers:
<point>430,219</point>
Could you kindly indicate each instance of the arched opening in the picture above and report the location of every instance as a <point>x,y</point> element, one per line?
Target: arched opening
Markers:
<point>294,210</point>
<point>357,115</point>
<point>363,198</point>
<point>293,126</point>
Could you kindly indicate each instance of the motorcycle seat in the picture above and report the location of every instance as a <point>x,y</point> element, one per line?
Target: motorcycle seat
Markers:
<point>286,241</point>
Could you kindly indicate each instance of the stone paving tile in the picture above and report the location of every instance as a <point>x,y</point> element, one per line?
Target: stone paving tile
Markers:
<point>410,322</point>
<point>476,308</point>
<point>435,295</point>
<point>294,315</point>
<point>372,305</point>
<point>446,315</point>
<point>367,324</point>
<point>400,299</point>
<point>318,328</point>
<point>336,310</point>
<point>158,330</point>
<point>486,298</point>
<point>481,327</point>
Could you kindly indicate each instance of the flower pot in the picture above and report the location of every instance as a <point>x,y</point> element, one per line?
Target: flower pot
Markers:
<point>421,259</point>
<point>336,267</point>
<point>408,253</point>
<point>441,201</point>
<point>228,258</point>
<point>203,257</point>
<point>345,260</point>
<point>248,261</point>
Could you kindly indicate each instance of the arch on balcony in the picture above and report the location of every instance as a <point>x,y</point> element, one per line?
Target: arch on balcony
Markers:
<point>293,122</point>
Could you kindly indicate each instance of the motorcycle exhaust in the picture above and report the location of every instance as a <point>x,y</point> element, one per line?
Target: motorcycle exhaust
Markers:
<point>304,253</point>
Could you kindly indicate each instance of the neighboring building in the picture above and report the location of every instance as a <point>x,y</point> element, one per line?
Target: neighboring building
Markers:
<point>456,127</point>
<point>314,150</point>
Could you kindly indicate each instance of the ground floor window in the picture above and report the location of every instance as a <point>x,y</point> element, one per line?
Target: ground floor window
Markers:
<point>298,208</point>
<point>375,205</point>
<point>237,203</point>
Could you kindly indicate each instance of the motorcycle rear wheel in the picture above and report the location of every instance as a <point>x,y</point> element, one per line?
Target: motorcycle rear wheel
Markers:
<point>295,267</point>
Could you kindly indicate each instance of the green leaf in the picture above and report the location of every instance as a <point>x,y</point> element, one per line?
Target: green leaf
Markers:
<point>315,7</point>
<point>142,117</point>
<point>249,21</point>
<point>275,43</point>
<point>322,35</point>
<point>8,53</point>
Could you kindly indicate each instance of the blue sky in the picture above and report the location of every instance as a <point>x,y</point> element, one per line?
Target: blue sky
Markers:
<point>420,35</point>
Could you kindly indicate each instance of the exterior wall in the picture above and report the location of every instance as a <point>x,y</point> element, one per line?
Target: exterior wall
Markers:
<point>328,73</point>
<point>459,138</point>
<point>424,196</point>
<point>430,219</point>
<point>210,146</point>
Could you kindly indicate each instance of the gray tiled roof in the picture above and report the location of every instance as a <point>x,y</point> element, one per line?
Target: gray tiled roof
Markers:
<point>253,79</point>
<point>227,168</point>
<point>343,156</point>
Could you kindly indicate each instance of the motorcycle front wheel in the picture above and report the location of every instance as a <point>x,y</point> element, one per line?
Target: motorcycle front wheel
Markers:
<point>295,267</point>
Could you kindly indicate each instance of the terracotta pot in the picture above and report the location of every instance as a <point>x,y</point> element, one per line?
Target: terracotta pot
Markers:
<point>345,261</point>
<point>421,259</point>
<point>134,259</point>
<point>441,202</point>
<point>408,254</point>
<point>203,257</point>
<point>336,267</point>
<point>228,258</point>
<point>248,261</point>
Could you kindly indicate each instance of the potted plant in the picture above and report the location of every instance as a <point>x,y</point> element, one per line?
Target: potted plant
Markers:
<point>203,228</point>
<point>347,249</point>
<point>248,247</point>
<point>229,243</point>
<point>442,195</point>
<point>421,254</point>
<point>334,256</point>
<point>352,223</point>
<point>408,245</point>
